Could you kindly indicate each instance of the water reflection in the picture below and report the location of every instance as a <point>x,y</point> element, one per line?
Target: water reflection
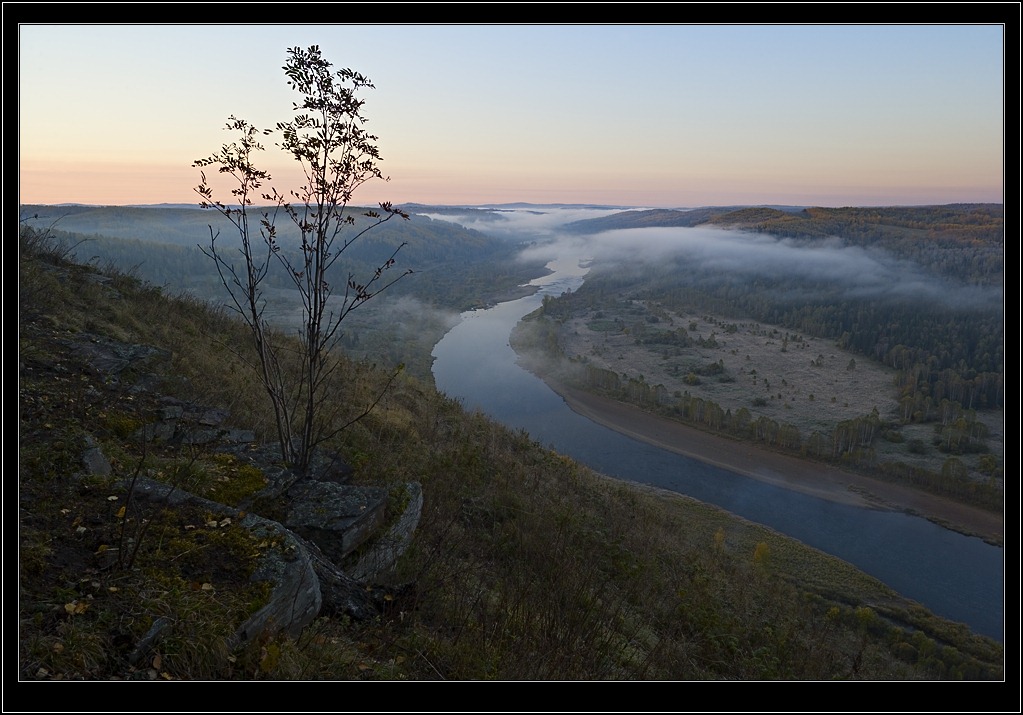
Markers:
<point>956,576</point>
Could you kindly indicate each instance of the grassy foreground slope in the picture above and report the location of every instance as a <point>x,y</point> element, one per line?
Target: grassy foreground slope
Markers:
<point>526,565</point>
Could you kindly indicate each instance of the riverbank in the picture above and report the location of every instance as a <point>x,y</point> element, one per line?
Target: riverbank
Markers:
<point>816,479</point>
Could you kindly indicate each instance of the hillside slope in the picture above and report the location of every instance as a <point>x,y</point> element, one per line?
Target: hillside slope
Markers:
<point>525,566</point>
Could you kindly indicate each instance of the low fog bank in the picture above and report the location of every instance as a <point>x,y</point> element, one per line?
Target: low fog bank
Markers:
<point>707,253</point>
<point>407,314</point>
<point>533,224</point>
<point>398,313</point>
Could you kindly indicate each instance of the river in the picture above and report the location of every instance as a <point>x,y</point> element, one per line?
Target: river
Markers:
<point>955,576</point>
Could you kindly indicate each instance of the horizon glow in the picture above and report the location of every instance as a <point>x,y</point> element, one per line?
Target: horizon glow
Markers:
<point>629,115</point>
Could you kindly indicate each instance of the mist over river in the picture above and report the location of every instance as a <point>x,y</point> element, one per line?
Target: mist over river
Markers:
<point>958,577</point>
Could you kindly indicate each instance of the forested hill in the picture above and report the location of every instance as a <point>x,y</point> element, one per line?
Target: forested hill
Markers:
<point>161,246</point>
<point>961,241</point>
<point>661,218</point>
<point>188,227</point>
<point>648,218</point>
<point>934,311</point>
<point>453,268</point>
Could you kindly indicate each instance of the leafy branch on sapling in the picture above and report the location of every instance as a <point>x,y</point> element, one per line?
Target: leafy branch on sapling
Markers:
<point>327,139</point>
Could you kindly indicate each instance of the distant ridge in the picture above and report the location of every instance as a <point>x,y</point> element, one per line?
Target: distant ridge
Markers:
<point>162,206</point>
<point>512,206</point>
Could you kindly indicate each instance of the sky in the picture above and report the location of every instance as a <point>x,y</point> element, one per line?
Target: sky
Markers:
<point>615,114</point>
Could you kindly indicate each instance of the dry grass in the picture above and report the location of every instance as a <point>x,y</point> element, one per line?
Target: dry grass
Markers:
<point>808,396</point>
<point>803,381</point>
<point>525,565</point>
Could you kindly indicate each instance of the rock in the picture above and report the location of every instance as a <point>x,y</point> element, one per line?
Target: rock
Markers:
<point>337,517</point>
<point>341,593</point>
<point>296,598</point>
<point>326,517</point>
<point>113,357</point>
<point>145,645</point>
<point>94,460</point>
<point>385,549</point>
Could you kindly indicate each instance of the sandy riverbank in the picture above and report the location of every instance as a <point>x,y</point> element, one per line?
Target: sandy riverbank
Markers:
<point>813,478</point>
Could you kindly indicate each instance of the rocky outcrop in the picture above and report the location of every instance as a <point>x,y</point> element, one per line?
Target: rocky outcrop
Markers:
<point>325,522</point>
<point>295,599</point>
<point>338,517</point>
<point>392,543</point>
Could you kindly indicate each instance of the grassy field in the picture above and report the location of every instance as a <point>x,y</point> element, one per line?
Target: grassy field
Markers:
<point>806,382</point>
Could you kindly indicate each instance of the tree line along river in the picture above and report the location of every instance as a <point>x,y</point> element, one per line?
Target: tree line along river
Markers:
<point>958,577</point>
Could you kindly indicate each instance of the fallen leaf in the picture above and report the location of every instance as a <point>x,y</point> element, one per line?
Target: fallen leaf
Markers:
<point>76,607</point>
<point>120,513</point>
<point>112,497</point>
<point>157,661</point>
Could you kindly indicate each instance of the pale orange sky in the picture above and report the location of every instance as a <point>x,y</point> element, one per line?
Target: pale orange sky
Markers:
<point>637,115</point>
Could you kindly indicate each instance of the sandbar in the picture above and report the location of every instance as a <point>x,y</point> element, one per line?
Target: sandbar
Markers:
<point>809,477</point>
